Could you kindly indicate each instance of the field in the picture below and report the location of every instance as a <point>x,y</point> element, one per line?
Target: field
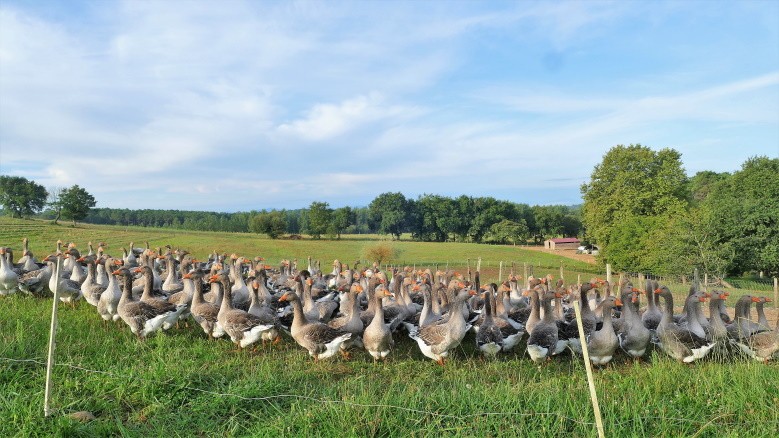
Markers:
<point>180,384</point>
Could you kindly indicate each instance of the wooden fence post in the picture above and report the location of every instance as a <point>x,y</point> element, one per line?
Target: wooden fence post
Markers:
<point>500,272</point>
<point>52,333</point>
<point>776,293</point>
<point>590,379</point>
<point>524,273</point>
<point>608,272</point>
<point>562,275</point>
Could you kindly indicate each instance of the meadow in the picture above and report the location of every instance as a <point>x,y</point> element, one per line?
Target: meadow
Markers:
<point>180,384</point>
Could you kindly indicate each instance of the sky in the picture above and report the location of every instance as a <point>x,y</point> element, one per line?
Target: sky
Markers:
<point>238,106</point>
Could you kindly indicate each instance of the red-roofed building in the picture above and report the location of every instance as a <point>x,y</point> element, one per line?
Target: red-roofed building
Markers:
<point>562,243</point>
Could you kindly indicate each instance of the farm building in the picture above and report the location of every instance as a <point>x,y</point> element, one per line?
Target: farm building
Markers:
<point>562,243</point>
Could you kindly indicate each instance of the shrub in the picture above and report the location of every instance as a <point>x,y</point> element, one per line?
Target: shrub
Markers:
<point>381,252</point>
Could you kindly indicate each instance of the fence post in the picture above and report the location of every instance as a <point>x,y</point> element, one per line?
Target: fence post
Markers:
<point>590,379</point>
<point>776,293</point>
<point>524,273</point>
<point>696,279</point>
<point>608,272</point>
<point>579,280</point>
<point>705,280</point>
<point>52,332</point>
<point>500,272</point>
<point>561,270</point>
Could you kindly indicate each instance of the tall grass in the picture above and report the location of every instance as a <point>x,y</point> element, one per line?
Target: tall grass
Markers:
<point>180,384</point>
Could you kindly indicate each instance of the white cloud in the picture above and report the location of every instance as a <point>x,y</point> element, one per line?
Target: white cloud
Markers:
<point>325,121</point>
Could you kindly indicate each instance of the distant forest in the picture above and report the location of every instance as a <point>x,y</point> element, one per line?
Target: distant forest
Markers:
<point>427,218</point>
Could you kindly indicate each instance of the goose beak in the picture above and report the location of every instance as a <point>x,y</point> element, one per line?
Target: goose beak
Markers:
<point>187,275</point>
<point>755,299</point>
<point>617,302</point>
<point>117,272</point>
<point>283,297</point>
<point>213,279</point>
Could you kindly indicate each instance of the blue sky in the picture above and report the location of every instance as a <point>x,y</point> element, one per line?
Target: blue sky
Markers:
<point>234,106</point>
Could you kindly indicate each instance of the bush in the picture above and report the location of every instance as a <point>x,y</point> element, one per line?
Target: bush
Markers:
<point>381,252</point>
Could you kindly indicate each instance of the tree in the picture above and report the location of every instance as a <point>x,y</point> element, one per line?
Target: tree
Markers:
<point>54,202</point>
<point>631,181</point>
<point>76,203</point>
<point>509,231</point>
<point>318,219</point>
<point>21,196</point>
<point>340,220</point>
<point>391,212</point>
<point>745,215</point>
<point>273,223</point>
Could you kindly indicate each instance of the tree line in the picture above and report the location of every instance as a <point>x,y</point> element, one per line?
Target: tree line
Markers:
<point>647,215</point>
<point>429,217</point>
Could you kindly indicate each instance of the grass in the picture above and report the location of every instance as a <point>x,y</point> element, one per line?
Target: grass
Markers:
<point>180,384</point>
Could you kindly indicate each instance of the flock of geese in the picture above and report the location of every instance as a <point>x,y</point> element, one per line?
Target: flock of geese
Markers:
<point>355,308</point>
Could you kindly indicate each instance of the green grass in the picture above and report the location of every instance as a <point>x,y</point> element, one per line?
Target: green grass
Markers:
<point>180,384</point>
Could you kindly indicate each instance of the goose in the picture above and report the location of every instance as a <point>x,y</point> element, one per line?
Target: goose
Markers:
<point>28,262</point>
<point>9,280</point>
<point>534,316</point>
<point>142,318</point>
<point>260,307</point>
<point>570,330</point>
<point>184,296</point>
<point>77,273</point>
<point>240,291</point>
<point>36,283</point>
<point>438,339</point>
<point>351,322</point>
<point>321,340</point>
<point>679,343</point>
<point>652,316</point>
<point>102,273</point>
<point>322,311</point>
<point>203,312</point>
<point>175,310</point>
<point>604,342</point>
<point>742,327</point>
<point>90,290</point>
<point>544,341</point>
<point>634,336</point>
<point>69,291</point>
<point>107,305</point>
<point>762,321</point>
<point>377,338</point>
<point>243,328</point>
<point>761,346</point>
<point>511,330</point>
<point>717,329</point>
<point>489,338</point>
<point>171,285</point>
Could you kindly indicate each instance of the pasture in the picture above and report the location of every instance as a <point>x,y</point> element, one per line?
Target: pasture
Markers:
<point>179,384</point>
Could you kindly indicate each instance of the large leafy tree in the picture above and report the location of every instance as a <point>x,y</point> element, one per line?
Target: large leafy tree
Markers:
<point>744,212</point>
<point>390,211</point>
<point>340,220</point>
<point>318,218</point>
<point>21,196</point>
<point>508,231</point>
<point>631,183</point>
<point>76,202</point>
<point>273,223</point>
<point>487,212</point>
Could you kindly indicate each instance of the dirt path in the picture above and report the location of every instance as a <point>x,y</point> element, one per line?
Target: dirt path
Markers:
<point>568,253</point>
